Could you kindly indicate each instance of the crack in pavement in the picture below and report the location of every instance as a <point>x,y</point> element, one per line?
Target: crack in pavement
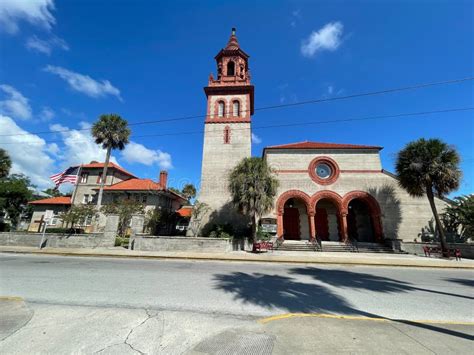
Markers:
<point>148,317</point>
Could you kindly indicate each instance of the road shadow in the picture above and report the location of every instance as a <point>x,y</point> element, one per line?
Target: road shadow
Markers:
<point>291,295</point>
<point>464,282</point>
<point>358,280</point>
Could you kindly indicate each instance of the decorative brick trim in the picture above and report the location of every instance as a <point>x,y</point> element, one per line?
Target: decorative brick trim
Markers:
<point>332,196</point>
<point>228,120</point>
<point>326,160</point>
<point>305,171</point>
<point>293,194</point>
<point>227,135</point>
<point>374,210</point>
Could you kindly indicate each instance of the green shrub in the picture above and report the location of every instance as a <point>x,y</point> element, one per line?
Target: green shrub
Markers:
<point>221,231</point>
<point>262,235</point>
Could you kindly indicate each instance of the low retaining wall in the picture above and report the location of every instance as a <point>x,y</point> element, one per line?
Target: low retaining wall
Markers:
<point>467,250</point>
<point>198,245</point>
<point>57,240</point>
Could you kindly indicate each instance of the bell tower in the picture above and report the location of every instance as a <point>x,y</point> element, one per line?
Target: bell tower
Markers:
<point>227,129</point>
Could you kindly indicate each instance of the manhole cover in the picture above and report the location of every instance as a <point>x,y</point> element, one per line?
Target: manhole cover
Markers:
<point>234,342</point>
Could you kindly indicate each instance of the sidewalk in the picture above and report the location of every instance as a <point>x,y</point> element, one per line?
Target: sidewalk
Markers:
<point>242,256</point>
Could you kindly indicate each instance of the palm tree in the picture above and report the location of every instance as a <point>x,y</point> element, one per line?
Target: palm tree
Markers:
<point>5,163</point>
<point>253,188</point>
<point>429,167</point>
<point>189,191</point>
<point>112,132</point>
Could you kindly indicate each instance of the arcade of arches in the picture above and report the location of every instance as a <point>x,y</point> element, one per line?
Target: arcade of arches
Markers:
<point>328,216</point>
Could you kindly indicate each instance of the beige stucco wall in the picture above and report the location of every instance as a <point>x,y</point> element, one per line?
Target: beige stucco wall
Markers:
<point>218,160</point>
<point>90,187</point>
<point>402,215</point>
<point>40,210</point>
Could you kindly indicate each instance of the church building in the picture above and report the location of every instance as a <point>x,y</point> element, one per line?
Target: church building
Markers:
<point>333,192</point>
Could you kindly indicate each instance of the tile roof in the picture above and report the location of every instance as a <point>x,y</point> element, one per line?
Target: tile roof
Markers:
<point>321,145</point>
<point>61,200</point>
<point>135,185</point>
<point>111,165</point>
<point>185,211</point>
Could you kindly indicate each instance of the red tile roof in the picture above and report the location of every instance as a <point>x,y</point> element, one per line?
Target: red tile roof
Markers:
<point>320,145</point>
<point>135,185</point>
<point>185,211</point>
<point>111,165</point>
<point>62,200</point>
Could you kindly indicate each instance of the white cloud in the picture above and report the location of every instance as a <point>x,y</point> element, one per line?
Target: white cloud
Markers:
<point>14,103</point>
<point>330,89</point>
<point>84,83</point>
<point>46,114</point>
<point>138,153</point>
<point>36,12</point>
<point>326,38</point>
<point>79,146</point>
<point>29,153</point>
<point>256,139</point>
<point>46,46</point>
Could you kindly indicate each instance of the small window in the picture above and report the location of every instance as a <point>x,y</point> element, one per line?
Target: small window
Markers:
<point>84,177</point>
<point>99,179</point>
<point>221,109</point>
<point>144,198</point>
<point>231,68</point>
<point>85,199</point>
<point>227,135</point>
<point>236,108</point>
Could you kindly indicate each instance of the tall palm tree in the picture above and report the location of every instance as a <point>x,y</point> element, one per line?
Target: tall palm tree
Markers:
<point>5,163</point>
<point>429,167</point>
<point>189,191</point>
<point>253,188</point>
<point>112,132</point>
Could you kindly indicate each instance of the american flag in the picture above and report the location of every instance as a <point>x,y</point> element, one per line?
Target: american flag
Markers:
<point>69,175</point>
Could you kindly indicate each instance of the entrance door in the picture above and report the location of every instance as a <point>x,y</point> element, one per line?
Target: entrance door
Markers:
<point>322,225</point>
<point>291,224</point>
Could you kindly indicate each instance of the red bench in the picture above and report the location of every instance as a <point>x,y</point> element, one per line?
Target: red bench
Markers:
<point>437,250</point>
<point>262,246</point>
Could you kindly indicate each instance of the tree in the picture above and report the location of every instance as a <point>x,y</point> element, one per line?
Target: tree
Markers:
<point>125,209</point>
<point>5,163</point>
<point>54,192</point>
<point>15,192</point>
<point>461,213</point>
<point>113,133</point>
<point>429,167</point>
<point>78,215</point>
<point>200,209</point>
<point>189,191</point>
<point>253,188</point>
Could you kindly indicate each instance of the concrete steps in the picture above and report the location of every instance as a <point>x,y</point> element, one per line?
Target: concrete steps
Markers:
<point>291,245</point>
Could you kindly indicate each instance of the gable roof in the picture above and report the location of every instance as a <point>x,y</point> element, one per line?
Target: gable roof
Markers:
<point>321,145</point>
<point>93,165</point>
<point>61,200</point>
<point>185,211</point>
<point>135,184</point>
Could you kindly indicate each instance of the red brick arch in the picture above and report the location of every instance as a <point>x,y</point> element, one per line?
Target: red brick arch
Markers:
<point>374,209</point>
<point>332,196</point>
<point>293,194</point>
<point>280,206</point>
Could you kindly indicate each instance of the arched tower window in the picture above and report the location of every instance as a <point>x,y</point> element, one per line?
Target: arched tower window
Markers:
<point>221,109</point>
<point>231,68</point>
<point>227,135</point>
<point>236,108</point>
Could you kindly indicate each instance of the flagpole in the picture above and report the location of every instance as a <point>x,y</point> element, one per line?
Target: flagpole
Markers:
<point>77,183</point>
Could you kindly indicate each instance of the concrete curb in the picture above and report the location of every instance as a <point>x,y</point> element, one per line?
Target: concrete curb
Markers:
<point>274,259</point>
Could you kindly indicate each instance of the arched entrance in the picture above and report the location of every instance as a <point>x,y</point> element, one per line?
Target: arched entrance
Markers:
<point>294,214</point>
<point>363,217</point>
<point>328,219</point>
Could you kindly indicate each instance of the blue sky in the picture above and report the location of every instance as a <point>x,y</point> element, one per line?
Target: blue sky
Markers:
<point>64,63</point>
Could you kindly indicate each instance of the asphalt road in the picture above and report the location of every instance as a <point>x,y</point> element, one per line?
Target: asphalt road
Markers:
<point>112,305</point>
<point>248,289</point>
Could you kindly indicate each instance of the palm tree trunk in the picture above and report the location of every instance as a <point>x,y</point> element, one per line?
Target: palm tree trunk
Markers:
<point>104,177</point>
<point>442,237</point>
<point>254,227</point>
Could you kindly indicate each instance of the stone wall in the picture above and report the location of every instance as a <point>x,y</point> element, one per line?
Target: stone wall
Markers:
<point>467,249</point>
<point>195,245</point>
<point>56,240</point>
